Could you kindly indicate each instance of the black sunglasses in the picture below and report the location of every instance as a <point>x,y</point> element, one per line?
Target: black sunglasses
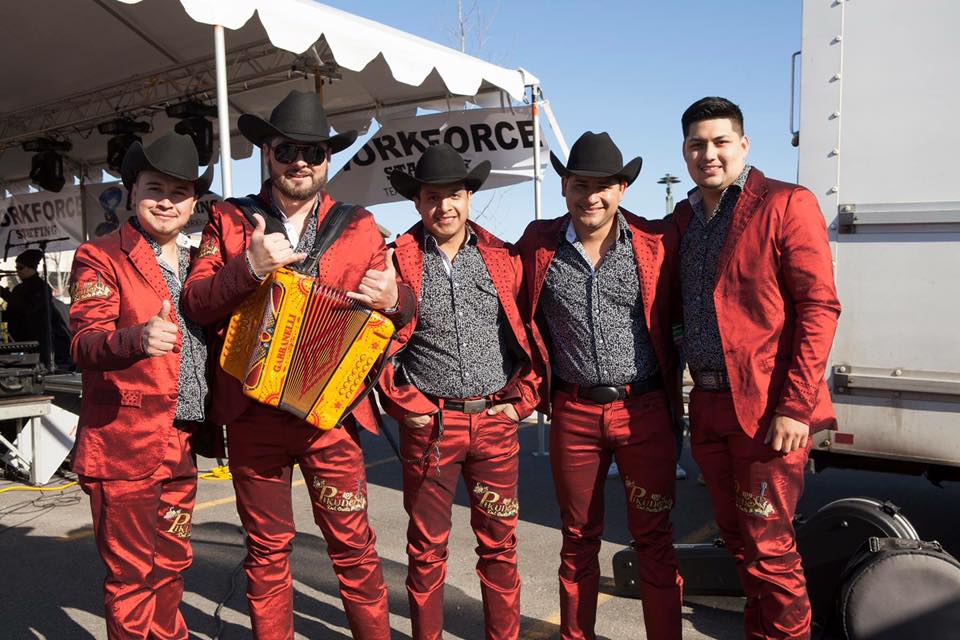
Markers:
<point>287,152</point>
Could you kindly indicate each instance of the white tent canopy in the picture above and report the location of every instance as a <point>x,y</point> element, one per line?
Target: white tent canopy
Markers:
<point>89,61</point>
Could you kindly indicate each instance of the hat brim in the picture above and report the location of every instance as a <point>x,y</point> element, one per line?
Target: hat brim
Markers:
<point>409,186</point>
<point>259,131</point>
<point>628,173</point>
<point>136,160</point>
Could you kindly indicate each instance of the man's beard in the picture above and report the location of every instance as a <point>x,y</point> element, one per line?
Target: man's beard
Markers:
<point>304,191</point>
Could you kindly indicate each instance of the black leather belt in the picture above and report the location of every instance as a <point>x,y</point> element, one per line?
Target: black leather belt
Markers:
<point>711,380</point>
<point>464,406</point>
<point>604,394</point>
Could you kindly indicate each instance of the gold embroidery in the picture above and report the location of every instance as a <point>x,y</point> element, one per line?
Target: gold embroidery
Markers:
<point>641,499</point>
<point>80,291</point>
<point>208,247</point>
<point>495,504</point>
<point>333,499</point>
<point>754,505</point>
<point>180,523</point>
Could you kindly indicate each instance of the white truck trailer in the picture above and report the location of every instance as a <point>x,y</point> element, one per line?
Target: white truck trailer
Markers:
<point>879,145</point>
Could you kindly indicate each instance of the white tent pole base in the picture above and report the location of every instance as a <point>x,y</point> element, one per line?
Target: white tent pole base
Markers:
<point>223,113</point>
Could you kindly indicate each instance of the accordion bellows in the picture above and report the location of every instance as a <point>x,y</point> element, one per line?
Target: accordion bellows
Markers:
<point>304,347</point>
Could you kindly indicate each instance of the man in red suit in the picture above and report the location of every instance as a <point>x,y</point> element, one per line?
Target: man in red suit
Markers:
<point>144,391</point>
<point>461,384</point>
<point>265,442</point>
<point>599,291</point>
<point>760,310</point>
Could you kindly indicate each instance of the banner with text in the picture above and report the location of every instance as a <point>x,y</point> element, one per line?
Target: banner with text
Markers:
<point>503,137</point>
<point>29,219</point>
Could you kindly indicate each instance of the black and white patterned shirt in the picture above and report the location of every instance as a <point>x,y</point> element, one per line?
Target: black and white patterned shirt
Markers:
<point>461,347</point>
<point>595,315</point>
<point>193,389</point>
<point>699,256</point>
<point>304,242</point>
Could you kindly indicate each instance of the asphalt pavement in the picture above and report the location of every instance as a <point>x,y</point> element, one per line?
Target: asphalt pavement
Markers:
<point>51,576</point>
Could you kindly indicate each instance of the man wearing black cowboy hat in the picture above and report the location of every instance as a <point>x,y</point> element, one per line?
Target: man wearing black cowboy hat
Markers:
<point>462,382</point>
<point>598,282</point>
<point>265,442</point>
<point>144,391</point>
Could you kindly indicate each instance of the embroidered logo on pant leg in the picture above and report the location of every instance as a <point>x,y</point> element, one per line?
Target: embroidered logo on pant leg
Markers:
<point>333,499</point>
<point>495,504</point>
<point>643,500</point>
<point>754,505</point>
<point>180,522</point>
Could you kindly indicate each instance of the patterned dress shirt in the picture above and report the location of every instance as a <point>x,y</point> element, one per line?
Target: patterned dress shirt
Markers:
<point>193,389</point>
<point>699,256</point>
<point>304,242</point>
<point>461,346</point>
<point>595,315</point>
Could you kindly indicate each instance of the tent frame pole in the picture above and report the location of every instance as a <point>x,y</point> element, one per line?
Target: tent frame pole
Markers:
<point>535,96</point>
<point>223,113</point>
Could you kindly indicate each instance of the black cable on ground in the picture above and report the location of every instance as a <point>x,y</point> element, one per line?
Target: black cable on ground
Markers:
<point>234,575</point>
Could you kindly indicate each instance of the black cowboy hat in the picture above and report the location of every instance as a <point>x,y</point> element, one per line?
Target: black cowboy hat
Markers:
<point>299,117</point>
<point>594,155</point>
<point>440,164</point>
<point>172,154</point>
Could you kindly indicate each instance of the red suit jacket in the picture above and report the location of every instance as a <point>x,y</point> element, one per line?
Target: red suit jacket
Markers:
<point>129,398</point>
<point>220,280</point>
<point>506,272</point>
<point>655,246</point>
<point>776,303</point>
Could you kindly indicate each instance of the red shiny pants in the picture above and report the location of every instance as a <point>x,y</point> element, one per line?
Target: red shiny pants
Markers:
<point>264,445</point>
<point>754,492</point>
<point>142,528</point>
<point>484,449</point>
<point>584,438</point>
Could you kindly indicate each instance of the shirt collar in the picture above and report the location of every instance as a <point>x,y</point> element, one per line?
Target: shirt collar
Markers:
<point>280,214</point>
<point>624,234</point>
<point>429,242</point>
<point>695,197</point>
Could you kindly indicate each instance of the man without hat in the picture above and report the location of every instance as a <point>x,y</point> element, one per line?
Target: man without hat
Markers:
<point>598,281</point>
<point>144,391</point>
<point>459,387</point>
<point>266,442</point>
<point>760,310</point>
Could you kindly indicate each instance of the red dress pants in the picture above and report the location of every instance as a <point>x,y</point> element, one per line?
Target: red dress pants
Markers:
<point>584,437</point>
<point>754,491</point>
<point>264,445</point>
<point>142,528</point>
<point>485,450</point>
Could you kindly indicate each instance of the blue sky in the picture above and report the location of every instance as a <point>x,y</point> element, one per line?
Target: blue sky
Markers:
<point>629,68</point>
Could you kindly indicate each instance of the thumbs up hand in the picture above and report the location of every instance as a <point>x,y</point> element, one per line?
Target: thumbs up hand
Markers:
<point>269,252</point>
<point>378,289</point>
<point>159,336</point>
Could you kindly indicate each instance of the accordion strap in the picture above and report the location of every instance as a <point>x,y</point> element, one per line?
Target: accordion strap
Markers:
<point>252,204</point>
<point>332,227</point>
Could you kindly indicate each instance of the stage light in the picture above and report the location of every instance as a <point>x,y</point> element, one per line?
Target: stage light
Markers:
<point>194,122</point>
<point>124,132</point>
<point>46,167</point>
<point>201,130</point>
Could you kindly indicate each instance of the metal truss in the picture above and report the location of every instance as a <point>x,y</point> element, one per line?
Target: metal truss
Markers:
<point>249,67</point>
